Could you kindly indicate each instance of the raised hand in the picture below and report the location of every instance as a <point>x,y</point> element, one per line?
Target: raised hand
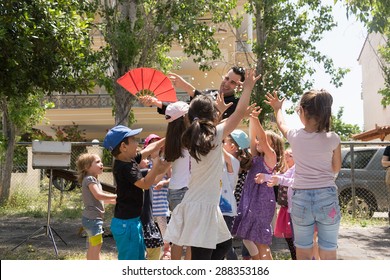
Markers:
<point>177,80</point>
<point>274,101</point>
<point>250,78</point>
<point>250,109</point>
<point>255,112</point>
<point>221,105</point>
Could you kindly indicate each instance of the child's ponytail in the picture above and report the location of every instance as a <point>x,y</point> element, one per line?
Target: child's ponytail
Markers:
<point>199,136</point>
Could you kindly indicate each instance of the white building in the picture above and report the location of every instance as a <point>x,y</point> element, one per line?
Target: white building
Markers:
<point>376,116</point>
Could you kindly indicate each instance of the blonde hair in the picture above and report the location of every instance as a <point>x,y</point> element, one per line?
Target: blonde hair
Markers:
<point>277,144</point>
<point>83,163</point>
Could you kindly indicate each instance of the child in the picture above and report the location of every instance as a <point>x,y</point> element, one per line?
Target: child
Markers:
<point>234,146</point>
<point>245,164</point>
<point>157,210</point>
<point>89,166</point>
<point>317,155</point>
<point>126,225</point>
<point>283,227</point>
<point>257,206</point>
<point>177,154</point>
<point>197,221</point>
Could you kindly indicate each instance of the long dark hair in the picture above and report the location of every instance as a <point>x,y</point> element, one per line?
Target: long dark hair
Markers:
<point>198,137</point>
<point>173,142</point>
<point>317,105</point>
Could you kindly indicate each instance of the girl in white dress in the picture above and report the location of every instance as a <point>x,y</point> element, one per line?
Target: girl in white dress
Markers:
<point>197,221</point>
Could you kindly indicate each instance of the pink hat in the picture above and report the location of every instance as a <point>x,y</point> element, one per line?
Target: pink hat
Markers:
<point>150,138</point>
<point>176,110</point>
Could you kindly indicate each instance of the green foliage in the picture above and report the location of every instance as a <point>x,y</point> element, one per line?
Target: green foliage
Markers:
<point>26,111</point>
<point>373,13</point>
<point>69,133</point>
<point>285,46</point>
<point>45,46</point>
<point>345,131</point>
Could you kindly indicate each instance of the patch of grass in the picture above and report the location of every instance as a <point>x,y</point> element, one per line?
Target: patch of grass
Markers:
<point>348,220</point>
<point>64,205</point>
<point>282,255</point>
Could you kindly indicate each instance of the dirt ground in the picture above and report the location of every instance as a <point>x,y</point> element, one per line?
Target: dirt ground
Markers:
<point>13,231</point>
<point>355,242</point>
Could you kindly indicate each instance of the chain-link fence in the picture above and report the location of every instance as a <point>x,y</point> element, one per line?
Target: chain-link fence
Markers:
<point>26,180</point>
<point>361,180</point>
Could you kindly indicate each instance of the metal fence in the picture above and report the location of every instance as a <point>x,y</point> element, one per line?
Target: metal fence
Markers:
<point>361,180</point>
<point>28,181</point>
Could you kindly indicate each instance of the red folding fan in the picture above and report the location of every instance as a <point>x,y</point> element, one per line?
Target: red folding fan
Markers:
<point>145,80</point>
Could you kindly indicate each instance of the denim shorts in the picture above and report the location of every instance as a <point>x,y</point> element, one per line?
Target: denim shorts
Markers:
<point>92,227</point>
<point>175,197</point>
<point>316,207</point>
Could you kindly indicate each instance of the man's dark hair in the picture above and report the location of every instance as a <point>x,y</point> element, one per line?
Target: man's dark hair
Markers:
<point>239,71</point>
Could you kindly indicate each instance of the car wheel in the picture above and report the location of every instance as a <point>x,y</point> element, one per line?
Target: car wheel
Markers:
<point>63,184</point>
<point>363,207</point>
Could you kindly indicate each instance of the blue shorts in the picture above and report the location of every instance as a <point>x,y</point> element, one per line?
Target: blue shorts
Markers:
<point>129,238</point>
<point>175,197</point>
<point>92,227</point>
<point>316,207</point>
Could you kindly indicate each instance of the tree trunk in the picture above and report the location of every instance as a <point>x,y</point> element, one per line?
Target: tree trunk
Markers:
<point>123,99</point>
<point>123,103</point>
<point>7,161</point>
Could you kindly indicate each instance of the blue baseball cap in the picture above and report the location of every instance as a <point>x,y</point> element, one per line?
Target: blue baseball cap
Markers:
<point>116,135</point>
<point>241,138</point>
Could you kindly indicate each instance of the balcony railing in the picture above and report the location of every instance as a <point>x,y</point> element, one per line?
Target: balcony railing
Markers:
<point>81,101</point>
<point>78,101</point>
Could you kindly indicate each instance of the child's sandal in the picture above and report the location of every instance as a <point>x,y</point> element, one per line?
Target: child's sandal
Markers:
<point>166,256</point>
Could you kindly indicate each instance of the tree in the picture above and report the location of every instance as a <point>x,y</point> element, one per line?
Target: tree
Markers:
<point>345,131</point>
<point>284,48</point>
<point>141,33</point>
<point>45,47</point>
<point>375,14</point>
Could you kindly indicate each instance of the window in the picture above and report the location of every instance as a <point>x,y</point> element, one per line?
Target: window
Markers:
<point>361,158</point>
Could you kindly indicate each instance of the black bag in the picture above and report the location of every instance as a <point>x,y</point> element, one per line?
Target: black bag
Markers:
<point>282,196</point>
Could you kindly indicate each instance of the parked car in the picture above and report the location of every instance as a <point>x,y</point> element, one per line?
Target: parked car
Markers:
<point>368,179</point>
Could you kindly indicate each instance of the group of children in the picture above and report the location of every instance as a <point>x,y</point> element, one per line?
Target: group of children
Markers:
<point>215,187</point>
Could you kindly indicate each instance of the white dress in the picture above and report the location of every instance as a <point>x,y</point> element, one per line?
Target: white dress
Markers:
<point>198,221</point>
